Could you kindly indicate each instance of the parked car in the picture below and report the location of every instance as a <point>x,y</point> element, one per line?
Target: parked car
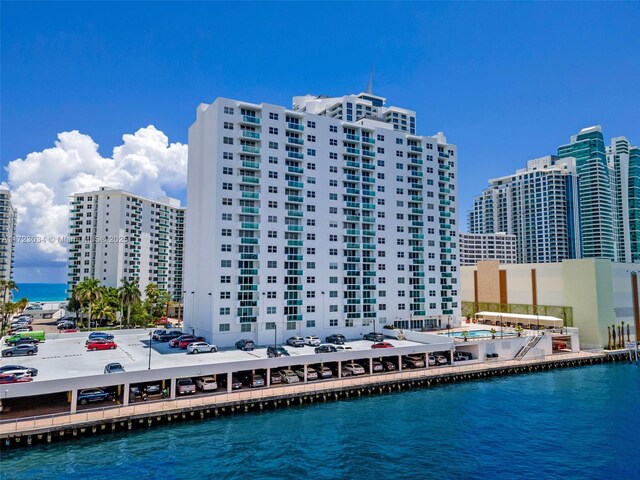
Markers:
<point>236,384</point>
<point>325,349</point>
<point>13,378</point>
<point>432,361</point>
<point>33,372</point>
<point>24,349</point>
<point>101,345</point>
<point>98,336</point>
<point>312,340</point>
<point>206,384</point>
<point>22,330</point>
<point>441,359</point>
<point>277,351</point>
<point>156,334</point>
<point>275,377</point>
<point>460,356</point>
<point>94,395</point>
<point>336,338</point>
<point>113,368</point>
<point>311,373</point>
<point>37,334</point>
<point>166,336</point>
<point>342,348</point>
<point>389,366</point>
<point>22,340</point>
<point>245,345</point>
<point>373,336</point>
<point>289,376</point>
<point>382,345</point>
<point>377,366</point>
<point>354,369</point>
<point>153,389</point>
<point>254,381</point>
<point>66,325</point>
<point>414,362</point>
<point>185,342</point>
<point>185,386</point>
<point>295,341</point>
<point>199,347</point>
<point>175,342</point>
<point>324,372</point>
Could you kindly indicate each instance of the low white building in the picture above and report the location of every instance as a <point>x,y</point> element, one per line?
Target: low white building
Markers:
<point>116,235</point>
<point>476,247</point>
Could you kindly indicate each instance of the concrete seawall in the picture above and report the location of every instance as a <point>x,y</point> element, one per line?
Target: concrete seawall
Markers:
<point>27,431</point>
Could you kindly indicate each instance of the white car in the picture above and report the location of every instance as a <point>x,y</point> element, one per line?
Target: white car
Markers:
<point>312,340</point>
<point>342,348</point>
<point>324,372</point>
<point>353,369</point>
<point>206,384</point>
<point>201,347</point>
<point>289,376</point>
<point>311,373</point>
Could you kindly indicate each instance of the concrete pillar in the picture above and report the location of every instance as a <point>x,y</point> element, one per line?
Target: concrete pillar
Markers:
<point>426,360</point>
<point>268,379</point>
<point>451,357</point>
<point>371,365</point>
<point>125,395</point>
<point>229,381</point>
<point>339,368</point>
<point>74,400</point>
<point>172,389</point>
<point>305,372</point>
<point>399,363</point>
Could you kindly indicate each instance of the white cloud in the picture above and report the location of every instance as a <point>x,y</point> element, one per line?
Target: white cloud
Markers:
<point>145,164</point>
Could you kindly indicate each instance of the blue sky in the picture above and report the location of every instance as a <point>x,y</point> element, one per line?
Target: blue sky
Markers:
<point>507,82</point>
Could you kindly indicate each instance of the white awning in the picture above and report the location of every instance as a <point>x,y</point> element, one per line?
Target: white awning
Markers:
<point>525,319</point>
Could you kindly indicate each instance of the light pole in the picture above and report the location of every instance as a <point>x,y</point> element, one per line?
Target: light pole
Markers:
<point>211,311</point>
<point>150,341</point>
<point>193,313</point>
<point>323,324</point>
<point>263,315</point>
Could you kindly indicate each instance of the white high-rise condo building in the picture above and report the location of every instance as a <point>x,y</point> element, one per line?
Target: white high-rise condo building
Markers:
<point>537,204</point>
<point>329,217</point>
<point>8,220</point>
<point>116,235</point>
<point>476,247</point>
<point>624,165</point>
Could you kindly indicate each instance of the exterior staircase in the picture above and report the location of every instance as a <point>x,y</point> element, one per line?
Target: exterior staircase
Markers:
<point>532,342</point>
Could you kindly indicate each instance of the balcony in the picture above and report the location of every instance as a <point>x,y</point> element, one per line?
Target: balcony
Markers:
<point>294,303</point>
<point>368,233</point>
<point>245,288</point>
<point>253,150</point>
<point>294,258</point>
<point>418,211</point>
<point>249,241</point>
<point>353,218</point>
<point>294,273</point>
<point>416,161</point>
<point>253,195</point>
<point>355,138</point>
<point>296,155</point>
<point>249,226</point>
<point>351,163</point>
<point>353,245</point>
<point>368,206</point>
<point>353,232</point>
<point>247,179</point>
<point>443,154</point>
<point>369,140</point>
<point>250,134</point>
<point>298,170</point>
<point>353,204</point>
<point>352,151</point>
<point>352,178</point>
<point>369,219</point>
<point>444,190</point>
<point>368,193</point>
<point>295,198</point>
<point>353,260</point>
<point>416,149</point>
<point>415,173</point>
<point>251,120</point>
<point>294,213</point>
<point>369,179</point>
<point>353,191</point>
<point>294,287</point>
<point>369,273</point>
<point>295,228</point>
<point>368,166</point>
<point>368,153</point>
<point>249,271</point>
<point>295,126</point>
<point>295,141</point>
<point>250,210</point>
<point>417,198</point>
<point>293,184</point>
<point>294,243</point>
<point>248,256</point>
<point>369,246</point>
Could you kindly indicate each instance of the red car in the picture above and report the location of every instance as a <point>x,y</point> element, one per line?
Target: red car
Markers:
<point>382,345</point>
<point>184,343</point>
<point>101,345</point>
<point>11,378</point>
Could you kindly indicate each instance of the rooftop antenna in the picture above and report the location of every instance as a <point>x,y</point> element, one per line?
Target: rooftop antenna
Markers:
<point>370,83</point>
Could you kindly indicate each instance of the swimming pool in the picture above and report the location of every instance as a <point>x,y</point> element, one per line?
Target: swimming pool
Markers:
<point>480,334</point>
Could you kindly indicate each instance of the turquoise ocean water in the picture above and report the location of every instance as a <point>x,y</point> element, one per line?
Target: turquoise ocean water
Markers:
<point>577,423</point>
<point>42,292</point>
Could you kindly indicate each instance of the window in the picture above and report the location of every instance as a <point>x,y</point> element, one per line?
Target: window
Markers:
<point>272,279</point>
<point>311,208</point>
<point>334,129</point>
<point>311,125</point>
<point>228,110</point>
<point>333,322</point>
<point>271,310</point>
<point>227,186</point>
<point>311,180</point>
<point>333,155</point>
<point>333,196</point>
<point>333,251</point>
<point>311,279</point>
<point>291,325</point>
<point>225,295</point>
<point>272,234</point>
<point>227,217</point>
<point>333,209</point>
<point>311,152</point>
<point>380,138</point>
<point>311,294</point>
<point>311,222</point>
<point>227,171</point>
<point>333,169</point>
<point>273,160</point>
<point>273,130</point>
<point>333,238</point>
<point>311,323</point>
<point>311,308</point>
<point>311,236</point>
<point>225,279</point>
<point>311,138</point>
<point>311,194</point>
<point>311,251</point>
<point>228,125</point>
<point>225,247</point>
<point>333,308</point>
<point>272,264</point>
<point>225,327</point>
<point>272,204</point>
<point>311,265</point>
<point>273,116</point>
<point>333,142</point>
<point>272,295</point>
<point>273,174</point>
<point>273,145</point>
<point>227,140</point>
<point>270,325</point>
<point>225,263</point>
<point>225,156</point>
<point>312,166</point>
<point>272,249</point>
<point>227,201</point>
<point>272,219</point>
<point>226,232</point>
<point>245,327</point>
<point>333,183</point>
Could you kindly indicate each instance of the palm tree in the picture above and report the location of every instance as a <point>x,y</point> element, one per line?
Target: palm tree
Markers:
<point>129,295</point>
<point>104,311</point>
<point>6,286</point>
<point>609,342</point>
<point>88,292</point>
